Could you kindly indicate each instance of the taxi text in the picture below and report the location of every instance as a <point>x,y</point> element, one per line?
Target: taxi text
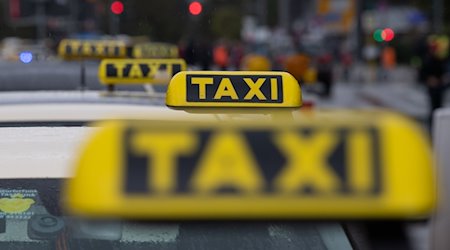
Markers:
<point>209,162</point>
<point>141,70</point>
<point>234,88</point>
<point>155,51</point>
<point>75,48</point>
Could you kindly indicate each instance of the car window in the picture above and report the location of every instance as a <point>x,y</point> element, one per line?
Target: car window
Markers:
<point>31,218</point>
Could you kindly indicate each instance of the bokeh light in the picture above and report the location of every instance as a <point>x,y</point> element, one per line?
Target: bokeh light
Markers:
<point>377,35</point>
<point>195,8</point>
<point>26,57</point>
<point>117,7</point>
<point>387,34</point>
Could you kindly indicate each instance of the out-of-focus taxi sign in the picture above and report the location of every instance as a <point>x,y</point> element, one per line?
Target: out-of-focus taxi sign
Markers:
<point>91,49</point>
<point>133,71</point>
<point>240,89</point>
<point>318,169</point>
<point>155,50</point>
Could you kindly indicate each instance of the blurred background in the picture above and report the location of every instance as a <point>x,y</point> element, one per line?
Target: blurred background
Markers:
<point>388,53</point>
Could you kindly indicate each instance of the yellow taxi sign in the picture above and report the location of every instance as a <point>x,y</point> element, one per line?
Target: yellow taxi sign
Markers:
<point>155,50</point>
<point>91,49</point>
<point>123,71</point>
<point>317,169</point>
<point>241,89</point>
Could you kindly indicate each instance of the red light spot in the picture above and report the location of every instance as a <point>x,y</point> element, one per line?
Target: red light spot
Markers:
<point>307,105</point>
<point>387,34</point>
<point>117,7</point>
<point>195,8</point>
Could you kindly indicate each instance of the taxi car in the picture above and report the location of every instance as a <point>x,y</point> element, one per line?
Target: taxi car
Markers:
<point>88,215</point>
<point>41,133</point>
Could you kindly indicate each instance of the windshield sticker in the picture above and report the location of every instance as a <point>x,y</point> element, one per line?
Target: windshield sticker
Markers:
<point>15,203</point>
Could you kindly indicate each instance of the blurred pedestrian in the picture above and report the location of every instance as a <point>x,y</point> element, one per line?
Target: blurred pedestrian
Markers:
<point>237,55</point>
<point>325,73</point>
<point>221,56</point>
<point>204,54</point>
<point>190,53</point>
<point>388,62</point>
<point>434,68</point>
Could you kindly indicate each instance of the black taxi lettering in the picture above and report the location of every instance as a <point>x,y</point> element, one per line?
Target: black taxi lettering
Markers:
<point>234,88</point>
<point>305,162</point>
<point>158,51</point>
<point>140,70</point>
<point>93,49</point>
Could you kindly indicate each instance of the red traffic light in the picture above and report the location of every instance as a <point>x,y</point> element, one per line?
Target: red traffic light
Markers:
<point>388,34</point>
<point>385,35</point>
<point>195,8</point>
<point>117,7</point>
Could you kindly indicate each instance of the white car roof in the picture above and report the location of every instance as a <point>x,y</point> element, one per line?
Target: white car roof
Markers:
<point>47,150</point>
<point>73,96</point>
<point>85,112</point>
<point>39,152</point>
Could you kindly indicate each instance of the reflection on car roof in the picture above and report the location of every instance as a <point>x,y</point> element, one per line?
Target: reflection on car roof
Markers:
<point>28,97</point>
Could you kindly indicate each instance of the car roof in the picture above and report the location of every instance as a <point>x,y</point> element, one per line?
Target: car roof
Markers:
<point>83,106</point>
<point>39,138</point>
<point>78,96</point>
<point>39,152</point>
<point>83,112</point>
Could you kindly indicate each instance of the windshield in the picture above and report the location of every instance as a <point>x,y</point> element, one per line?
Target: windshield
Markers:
<point>31,218</point>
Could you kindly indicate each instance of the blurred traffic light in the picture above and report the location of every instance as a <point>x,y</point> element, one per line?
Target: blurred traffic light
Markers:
<point>195,8</point>
<point>377,35</point>
<point>385,35</point>
<point>117,7</point>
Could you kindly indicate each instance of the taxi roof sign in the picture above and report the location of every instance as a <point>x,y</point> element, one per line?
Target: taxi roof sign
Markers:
<point>155,50</point>
<point>133,71</point>
<point>318,169</point>
<point>91,49</point>
<point>233,89</point>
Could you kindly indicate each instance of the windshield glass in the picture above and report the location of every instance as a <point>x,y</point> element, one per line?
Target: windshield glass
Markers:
<point>31,218</point>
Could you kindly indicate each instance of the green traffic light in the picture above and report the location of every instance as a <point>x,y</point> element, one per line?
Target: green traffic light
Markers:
<point>377,35</point>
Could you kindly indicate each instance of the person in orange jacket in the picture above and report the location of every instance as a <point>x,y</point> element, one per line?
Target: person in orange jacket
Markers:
<point>221,56</point>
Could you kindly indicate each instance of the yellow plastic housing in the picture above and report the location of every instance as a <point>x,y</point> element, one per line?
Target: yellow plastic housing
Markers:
<point>91,49</point>
<point>360,166</point>
<point>233,89</point>
<point>139,71</point>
